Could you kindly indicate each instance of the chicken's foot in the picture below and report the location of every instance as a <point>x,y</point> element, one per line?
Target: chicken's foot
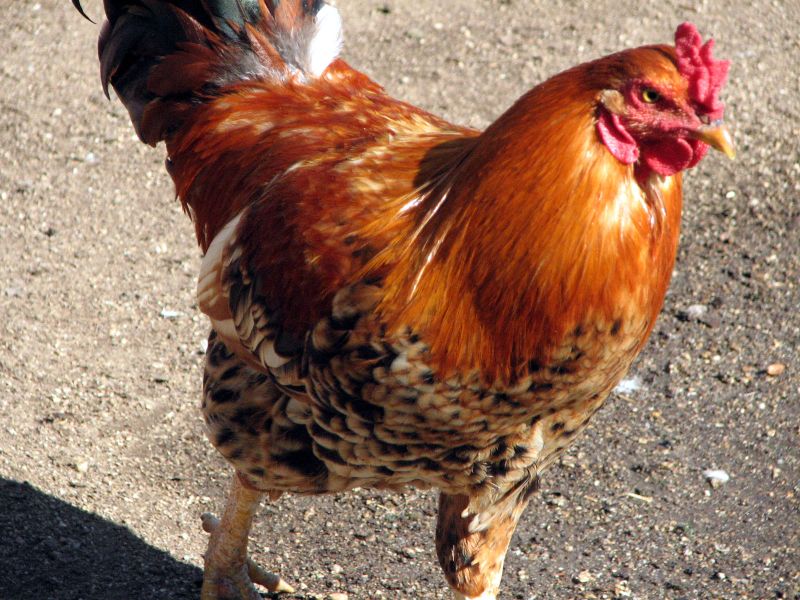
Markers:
<point>229,573</point>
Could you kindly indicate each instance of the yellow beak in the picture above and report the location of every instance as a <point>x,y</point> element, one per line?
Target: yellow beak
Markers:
<point>717,136</point>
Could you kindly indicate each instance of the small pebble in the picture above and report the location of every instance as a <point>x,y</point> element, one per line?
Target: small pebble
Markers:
<point>716,477</point>
<point>584,577</point>
<point>170,314</point>
<point>627,386</point>
<point>622,589</point>
<point>776,369</point>
<point>336,569</point>
<point>337,596</point>
<point>696,311</point>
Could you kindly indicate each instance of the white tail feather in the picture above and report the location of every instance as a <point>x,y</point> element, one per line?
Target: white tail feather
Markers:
<point>327,41</point>
<point>311,49</point>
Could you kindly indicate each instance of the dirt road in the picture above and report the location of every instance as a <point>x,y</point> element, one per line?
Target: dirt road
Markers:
<point>104,468</point>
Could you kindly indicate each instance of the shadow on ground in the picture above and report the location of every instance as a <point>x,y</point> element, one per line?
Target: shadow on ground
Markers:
<point>51,550</point>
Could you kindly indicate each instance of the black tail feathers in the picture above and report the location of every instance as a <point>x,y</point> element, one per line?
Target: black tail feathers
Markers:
<point>163,57</point>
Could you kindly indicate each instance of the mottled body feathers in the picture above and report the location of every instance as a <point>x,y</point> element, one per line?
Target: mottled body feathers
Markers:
<point>374,414</point>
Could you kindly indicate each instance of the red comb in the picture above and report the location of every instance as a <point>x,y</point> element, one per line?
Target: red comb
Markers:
<point>705,75</point>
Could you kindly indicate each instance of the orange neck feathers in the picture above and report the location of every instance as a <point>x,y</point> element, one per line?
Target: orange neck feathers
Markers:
<point>538,231</point>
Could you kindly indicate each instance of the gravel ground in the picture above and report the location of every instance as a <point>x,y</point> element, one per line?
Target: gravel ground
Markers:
<point>104,468</point>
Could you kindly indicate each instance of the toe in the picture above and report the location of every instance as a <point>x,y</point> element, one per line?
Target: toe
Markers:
<point>274,583</point>
<point>210,522</point>
<point>235,582</point>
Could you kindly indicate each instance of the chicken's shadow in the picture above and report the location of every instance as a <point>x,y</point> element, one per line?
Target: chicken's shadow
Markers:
<point>51,550</point>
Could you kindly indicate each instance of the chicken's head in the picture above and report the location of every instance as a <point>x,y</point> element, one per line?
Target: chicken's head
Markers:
<point>662,109</point>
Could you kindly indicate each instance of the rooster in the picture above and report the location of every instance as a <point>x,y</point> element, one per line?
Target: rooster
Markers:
<point>395,300</point>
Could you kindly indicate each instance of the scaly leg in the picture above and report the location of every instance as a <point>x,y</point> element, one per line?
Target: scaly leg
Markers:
<point>229,573</point>
<point>472,540</point>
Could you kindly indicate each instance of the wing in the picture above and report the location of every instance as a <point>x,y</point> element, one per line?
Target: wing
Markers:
<point>271,274</point>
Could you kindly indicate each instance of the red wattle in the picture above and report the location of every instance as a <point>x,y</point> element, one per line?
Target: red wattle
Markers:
<point>699,149</point>
<point>670,155</point>
<point>667,156</point>
<point>618,141</point>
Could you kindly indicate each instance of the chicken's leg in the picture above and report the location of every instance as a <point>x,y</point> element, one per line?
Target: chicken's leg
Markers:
<point>471,543</point>
<point>229,573</point>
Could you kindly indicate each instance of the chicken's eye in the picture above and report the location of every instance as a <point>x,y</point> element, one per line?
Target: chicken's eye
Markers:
<point>650,96</point>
